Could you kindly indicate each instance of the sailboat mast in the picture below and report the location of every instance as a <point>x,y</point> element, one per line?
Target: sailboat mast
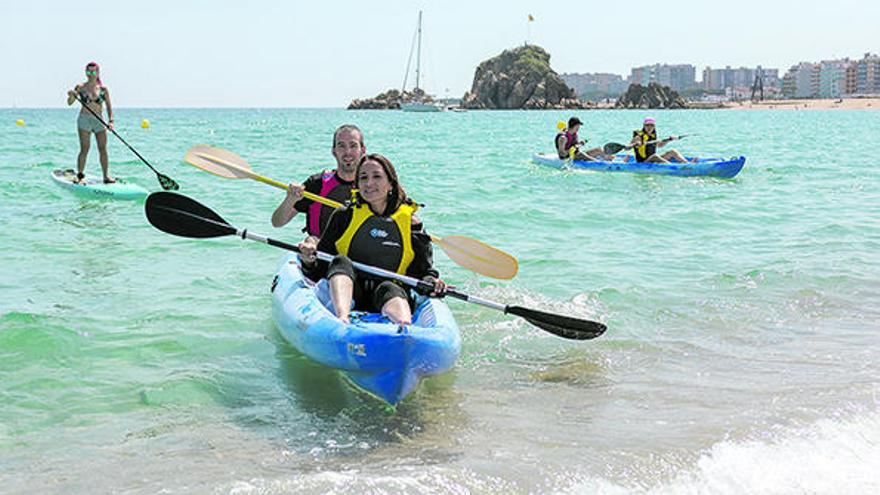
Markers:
<point>419,52</point>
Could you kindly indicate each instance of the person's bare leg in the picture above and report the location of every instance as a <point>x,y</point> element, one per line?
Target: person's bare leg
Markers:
<point>341,290</point>
<point>397,310</point>
<point>599,154</point>
<point>84,144</point>
<point>656,159</point>
<point>101,138</point>
<point>674,155</point>
<point>583,157</point>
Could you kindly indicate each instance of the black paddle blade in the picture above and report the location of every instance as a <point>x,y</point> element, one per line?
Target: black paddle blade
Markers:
<point>612,148</point>
<point>167,183</point>
<point>177,214</point>
<point>563,326</point>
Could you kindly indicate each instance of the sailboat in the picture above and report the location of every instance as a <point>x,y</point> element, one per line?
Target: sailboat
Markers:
<point>419,103</point>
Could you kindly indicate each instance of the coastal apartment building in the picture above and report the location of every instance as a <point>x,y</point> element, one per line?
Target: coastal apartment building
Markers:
<point>741,78</point>
<point>868,75</point>
<point>826,79</point>
<point>677,76</point>
<point>833,78</point>
<point>851,80</point>
<point>595,86</point>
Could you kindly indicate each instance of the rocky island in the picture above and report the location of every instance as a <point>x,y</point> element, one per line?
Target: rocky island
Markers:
<point>390,100</point>
<point>520,78</point>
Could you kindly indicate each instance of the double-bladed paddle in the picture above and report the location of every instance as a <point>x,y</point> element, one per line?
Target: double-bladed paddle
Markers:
<point>182,216</point>
<point>465,251</point>
<point>166,182</point>
<point>612,148</point>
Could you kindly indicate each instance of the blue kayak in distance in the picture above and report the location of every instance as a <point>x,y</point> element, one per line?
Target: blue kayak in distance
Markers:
<point>706,167</point>
<point>378,356</point>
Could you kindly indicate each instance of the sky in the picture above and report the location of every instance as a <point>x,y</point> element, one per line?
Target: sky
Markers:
<point>260,53</point>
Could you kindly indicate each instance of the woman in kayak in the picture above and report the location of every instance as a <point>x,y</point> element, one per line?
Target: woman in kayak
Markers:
<point>568,143</point>
<point>93,94</point>
<point>377,228</point>
<point>645,143</point>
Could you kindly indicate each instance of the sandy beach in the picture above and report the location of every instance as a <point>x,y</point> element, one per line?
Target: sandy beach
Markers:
<point>817,104</point>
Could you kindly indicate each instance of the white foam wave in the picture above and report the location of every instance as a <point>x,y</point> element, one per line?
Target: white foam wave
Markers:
<point>830,457</point>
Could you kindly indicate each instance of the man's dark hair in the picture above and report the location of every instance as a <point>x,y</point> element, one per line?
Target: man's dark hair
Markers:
<point>348,127</point>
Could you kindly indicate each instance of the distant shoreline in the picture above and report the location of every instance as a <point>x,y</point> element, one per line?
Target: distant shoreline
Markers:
<point>811,104</point>
<point>820,104</point>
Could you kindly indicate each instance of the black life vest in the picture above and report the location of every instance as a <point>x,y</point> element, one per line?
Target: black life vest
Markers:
<point>385,242</point>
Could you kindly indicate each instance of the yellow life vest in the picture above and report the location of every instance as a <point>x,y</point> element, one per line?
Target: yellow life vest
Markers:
<point>402,219</point>
<point>645,137</point>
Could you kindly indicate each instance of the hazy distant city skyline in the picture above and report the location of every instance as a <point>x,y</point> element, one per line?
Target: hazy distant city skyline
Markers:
<point>262,53</point>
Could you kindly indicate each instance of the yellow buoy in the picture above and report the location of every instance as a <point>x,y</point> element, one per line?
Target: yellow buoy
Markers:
<point>19,122</point>
<point>145,124</point>
<point>560,125</point>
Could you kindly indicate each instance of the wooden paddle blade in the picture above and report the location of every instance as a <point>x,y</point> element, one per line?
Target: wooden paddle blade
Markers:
<point>179,215</point>
<point>566,327</point>
<point>478,257</point>
<point>612,148</point>
<point>218,161</point>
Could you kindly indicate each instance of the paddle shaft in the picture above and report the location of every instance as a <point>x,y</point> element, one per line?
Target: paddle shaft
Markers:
<point>280,185</point>
<point>179,215</point>
<point>565,327</point>
<point>656,141</point>
<point>469,253</point>
<point>115,133</point>
<point>379,272</point>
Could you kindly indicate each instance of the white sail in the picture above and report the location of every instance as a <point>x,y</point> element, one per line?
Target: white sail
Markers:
<point>419,103</point>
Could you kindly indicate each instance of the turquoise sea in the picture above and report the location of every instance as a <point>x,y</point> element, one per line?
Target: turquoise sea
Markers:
<point>742,356</point>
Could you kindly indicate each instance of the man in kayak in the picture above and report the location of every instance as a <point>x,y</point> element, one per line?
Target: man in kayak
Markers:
<point>378,228</point>
<point>645,143</point>
<point>348,148</point>
<point>568,144</point>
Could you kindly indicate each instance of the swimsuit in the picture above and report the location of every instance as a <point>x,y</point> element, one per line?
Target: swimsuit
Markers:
<point>86,121</point>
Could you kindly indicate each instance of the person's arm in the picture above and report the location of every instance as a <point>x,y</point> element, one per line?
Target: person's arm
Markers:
<point>560,146</point>
<point>71,95</point>
<point>314,268</point>
<point>109,107</point>
<point>291,205</point>
<point>422,266</point>
<point>636,141</point>
<point>286,210</point>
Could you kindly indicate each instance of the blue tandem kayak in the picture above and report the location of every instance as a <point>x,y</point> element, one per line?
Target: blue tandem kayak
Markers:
<point>711,167</point>
<point>375,354</point>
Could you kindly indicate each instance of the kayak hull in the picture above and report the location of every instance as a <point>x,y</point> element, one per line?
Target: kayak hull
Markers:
<point>95,187</point>
<point>370,351</point>
<point>707,167</point>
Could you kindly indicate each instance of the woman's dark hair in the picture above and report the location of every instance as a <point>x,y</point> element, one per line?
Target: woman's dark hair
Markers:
<point>98,69</point>
<point>397,195</point>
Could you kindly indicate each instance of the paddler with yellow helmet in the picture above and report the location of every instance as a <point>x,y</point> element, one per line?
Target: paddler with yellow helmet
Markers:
<point>568,144</point>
